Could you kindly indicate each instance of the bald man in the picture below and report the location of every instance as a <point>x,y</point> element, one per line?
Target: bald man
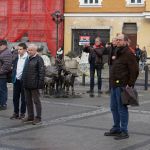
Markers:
<point>124,72</point>
<point>33,80</point>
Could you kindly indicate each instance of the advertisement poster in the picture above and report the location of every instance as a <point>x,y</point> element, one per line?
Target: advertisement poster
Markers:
<point>84,40</point>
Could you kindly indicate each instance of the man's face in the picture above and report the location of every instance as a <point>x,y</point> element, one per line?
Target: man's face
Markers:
<point>120,41</point>
<point>2,47</point>
<point>114,42</point>
<point>32,51</point>
<point>21,51</point>
<point>97,42</point>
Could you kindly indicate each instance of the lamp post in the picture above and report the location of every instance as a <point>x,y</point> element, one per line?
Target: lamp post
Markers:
<point>57,18</point>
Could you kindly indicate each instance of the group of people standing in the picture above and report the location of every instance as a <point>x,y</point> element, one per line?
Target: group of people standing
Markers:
<point>28,71</point>
<point>123,72</point>
<point>141,56</point>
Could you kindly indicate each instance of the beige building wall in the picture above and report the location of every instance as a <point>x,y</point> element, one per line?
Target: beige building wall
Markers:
<point>144,34</point>
<point>115,25</point>
<point>73,6</point>
<point>147,6</point>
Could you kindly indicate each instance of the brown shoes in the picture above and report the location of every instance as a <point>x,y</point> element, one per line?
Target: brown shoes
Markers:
<point>36,121</point>
<point>27,120</point>
<point>22,116</point>
<point>15,116</point>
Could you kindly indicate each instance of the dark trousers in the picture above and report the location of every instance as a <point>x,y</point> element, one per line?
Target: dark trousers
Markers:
<point>94,68</point>
<point>110,66</point>
<point>18,92</point>
<point>33,96</point>
<point>3,92</point>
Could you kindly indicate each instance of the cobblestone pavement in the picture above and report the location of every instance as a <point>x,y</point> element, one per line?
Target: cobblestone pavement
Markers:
<point>76,124</point>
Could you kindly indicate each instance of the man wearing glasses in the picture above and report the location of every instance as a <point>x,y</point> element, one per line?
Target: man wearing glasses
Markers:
<point>124,72</point>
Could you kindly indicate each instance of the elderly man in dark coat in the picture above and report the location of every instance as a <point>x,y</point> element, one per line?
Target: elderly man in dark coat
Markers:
<point>33,80</point>
<point>124,72</point>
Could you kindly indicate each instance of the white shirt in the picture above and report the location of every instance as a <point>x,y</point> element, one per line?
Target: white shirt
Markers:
<point>20,65</point>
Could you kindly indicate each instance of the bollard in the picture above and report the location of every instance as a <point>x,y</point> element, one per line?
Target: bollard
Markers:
<point>146,77</point>
<point>83,79</point>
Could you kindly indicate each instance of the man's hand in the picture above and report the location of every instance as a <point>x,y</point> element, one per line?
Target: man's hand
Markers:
<point>86,45</point>
<point>113,57</point>
<point>94,46</point>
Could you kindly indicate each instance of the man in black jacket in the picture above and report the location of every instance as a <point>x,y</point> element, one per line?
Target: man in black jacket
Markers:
<point>5,68</point>
<point>18,90</point>
<point>96,63</point>
<point>124,72</point>
<point>33,80</point>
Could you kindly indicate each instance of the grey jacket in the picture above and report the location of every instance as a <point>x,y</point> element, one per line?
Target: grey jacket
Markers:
<point>5,62</point>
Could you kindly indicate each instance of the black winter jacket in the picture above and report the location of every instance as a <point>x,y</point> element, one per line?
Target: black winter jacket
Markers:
<point>33,73</point>
<point>124,69</point>
<point>95,54</point>
<point>5,63</point>
<point>111,52</point>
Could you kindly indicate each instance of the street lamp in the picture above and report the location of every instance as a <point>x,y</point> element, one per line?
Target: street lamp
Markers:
<point>57,18</point>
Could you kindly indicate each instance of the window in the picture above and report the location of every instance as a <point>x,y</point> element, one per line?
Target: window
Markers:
<point>24,5</point>
<point>85,1</point>
<point>90,3</point>
<point>135,2</point>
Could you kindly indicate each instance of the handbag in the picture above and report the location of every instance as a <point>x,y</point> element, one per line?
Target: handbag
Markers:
<point>129,96</point>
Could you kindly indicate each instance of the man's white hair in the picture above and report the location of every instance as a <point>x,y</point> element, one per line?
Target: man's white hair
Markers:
<point>32,46</point>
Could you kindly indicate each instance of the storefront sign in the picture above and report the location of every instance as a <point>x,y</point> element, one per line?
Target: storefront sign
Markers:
<point>84,40</point>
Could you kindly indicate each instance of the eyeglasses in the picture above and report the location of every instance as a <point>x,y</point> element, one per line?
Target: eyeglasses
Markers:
<point>119,39</point>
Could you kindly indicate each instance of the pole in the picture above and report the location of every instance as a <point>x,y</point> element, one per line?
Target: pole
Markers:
<point>83,79</point>
<point>146,78</point>
<point>57,35</point>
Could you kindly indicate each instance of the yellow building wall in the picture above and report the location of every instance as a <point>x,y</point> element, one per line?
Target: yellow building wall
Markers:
<point>144,34</point>
<point>148,5</point>
<point>114,23</point>
<point>72,6</point>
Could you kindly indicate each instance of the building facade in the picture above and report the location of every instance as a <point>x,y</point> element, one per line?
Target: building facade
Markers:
<point>32,18</point>
<point>106,18</point>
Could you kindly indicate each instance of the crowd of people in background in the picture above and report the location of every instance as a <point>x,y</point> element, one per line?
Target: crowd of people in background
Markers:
<point>141,57</point>
<point>96,59</point>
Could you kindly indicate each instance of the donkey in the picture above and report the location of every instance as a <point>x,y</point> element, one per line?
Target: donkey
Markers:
<point>69,80</point>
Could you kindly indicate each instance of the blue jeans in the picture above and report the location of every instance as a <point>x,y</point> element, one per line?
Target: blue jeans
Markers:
<point>18,92</point>
<point>94,68</point>
<point>119,111</point>
<point>3,92</point>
